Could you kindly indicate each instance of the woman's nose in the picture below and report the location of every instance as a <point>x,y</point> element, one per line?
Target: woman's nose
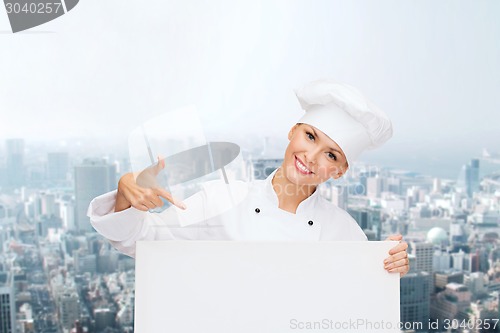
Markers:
<point>311,157</point>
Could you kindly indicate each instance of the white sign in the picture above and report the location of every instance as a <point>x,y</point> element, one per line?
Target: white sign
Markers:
<point>264,287</point>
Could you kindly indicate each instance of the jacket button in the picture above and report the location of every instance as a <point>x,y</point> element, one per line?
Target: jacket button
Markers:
<point>310,222</point>
<point>257,210</point>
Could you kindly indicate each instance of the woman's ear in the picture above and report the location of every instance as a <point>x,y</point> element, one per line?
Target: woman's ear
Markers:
<point>338,175</point>
<point>342,170</point>
<point>292,131</point>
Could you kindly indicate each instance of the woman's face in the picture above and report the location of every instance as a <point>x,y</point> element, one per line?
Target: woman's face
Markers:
<point>311,157</point>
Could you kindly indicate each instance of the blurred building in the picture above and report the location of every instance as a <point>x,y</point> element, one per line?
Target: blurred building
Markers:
<point>264,167</point>
<point>67,213</point>
<point>339,196</point>
<point>441,261</point>
<point>104,318</point>
<point>458,260</point>
<point>107,261</point>
<point>436,185</point>
<point>472,177</point>
<point>451,303</point>
<point>477,261</point>
<point>485,311</point>
<point>373,187</point>
<point>392,203</point>
<point>363,180</point>
<point>15,169</point>
<point>414,298</point>
<point>92,178</point>
<point>441,279</point>
<point>368,218</point>
<point>48,204</point>
<point>78,328</point>
<point>69,309</point>
<point>25,319</point>
<point>7,303</point>
<point>423,252</point>
<point>393,185</point>
<point>58,167</point>
<point>457,232</point>
<point>476,283</point>
<point>125,317</point>
<point>85,262</point>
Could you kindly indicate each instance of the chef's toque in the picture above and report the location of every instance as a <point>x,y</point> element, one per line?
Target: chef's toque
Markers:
<point>345,115</point>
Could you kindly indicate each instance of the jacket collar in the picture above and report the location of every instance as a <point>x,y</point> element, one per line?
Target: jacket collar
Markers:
<point>306,204</point>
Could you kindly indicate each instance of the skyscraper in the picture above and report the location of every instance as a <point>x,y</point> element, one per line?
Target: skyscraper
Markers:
<point>472,177</point>
<point>15,172</point>
<point>373,187</point>
<point>368,218</point>
<point>340,195</point>
<point>48,204</point>
<point>415,299</point>
<point>7,303</point>
<point>57,167</point>
<point>423,253</point>
<point>104,318</point>
<point>441,261</point>
<point>92,178</point>
<point>67,213</point>
<point>458,260</point>
<point>69,309</point>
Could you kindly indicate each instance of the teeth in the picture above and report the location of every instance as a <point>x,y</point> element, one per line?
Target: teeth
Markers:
<point>302,167</point>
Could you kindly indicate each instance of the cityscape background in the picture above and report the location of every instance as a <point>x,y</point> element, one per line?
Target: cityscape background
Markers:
<point>73,89</point>
<point>58,275</point>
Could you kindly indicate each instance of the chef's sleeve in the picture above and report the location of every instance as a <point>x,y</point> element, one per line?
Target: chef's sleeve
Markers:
<point>124,228</point>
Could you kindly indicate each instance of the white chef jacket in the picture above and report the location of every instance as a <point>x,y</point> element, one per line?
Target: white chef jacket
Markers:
<point>239,211</point>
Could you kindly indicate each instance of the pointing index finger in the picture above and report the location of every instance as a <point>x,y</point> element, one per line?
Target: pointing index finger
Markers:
<point>178,203</point>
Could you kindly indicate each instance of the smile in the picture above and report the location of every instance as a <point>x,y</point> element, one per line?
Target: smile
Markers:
<point>301,167</point>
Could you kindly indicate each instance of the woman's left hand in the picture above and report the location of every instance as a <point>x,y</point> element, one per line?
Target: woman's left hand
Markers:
<point>398,260</point>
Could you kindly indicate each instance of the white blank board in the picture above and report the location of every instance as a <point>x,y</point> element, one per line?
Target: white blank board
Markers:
<point>229,286</point>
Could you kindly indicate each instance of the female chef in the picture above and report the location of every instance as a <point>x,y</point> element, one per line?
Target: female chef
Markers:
<point>338,124</point>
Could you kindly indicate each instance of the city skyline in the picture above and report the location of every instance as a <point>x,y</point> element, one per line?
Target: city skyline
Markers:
<point>446,165</point>
<point>74,90</point>
<point>83,282</point>
<point>431,66</point>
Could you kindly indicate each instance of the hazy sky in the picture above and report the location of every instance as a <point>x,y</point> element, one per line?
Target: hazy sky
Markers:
<point>109,65</point>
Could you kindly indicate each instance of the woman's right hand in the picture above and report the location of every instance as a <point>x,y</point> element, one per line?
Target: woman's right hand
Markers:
<point>143,192</point>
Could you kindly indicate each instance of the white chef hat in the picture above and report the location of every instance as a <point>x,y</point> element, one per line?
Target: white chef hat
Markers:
<point>345,115</point>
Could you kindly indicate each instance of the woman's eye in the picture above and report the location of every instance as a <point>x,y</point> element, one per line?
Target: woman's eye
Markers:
<point>310,136</point>
<point>332,156</point>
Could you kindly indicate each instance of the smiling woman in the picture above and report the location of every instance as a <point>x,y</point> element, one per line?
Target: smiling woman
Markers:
<point>338,125</point>
<point>311,158</point>
<point>315,153</point>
